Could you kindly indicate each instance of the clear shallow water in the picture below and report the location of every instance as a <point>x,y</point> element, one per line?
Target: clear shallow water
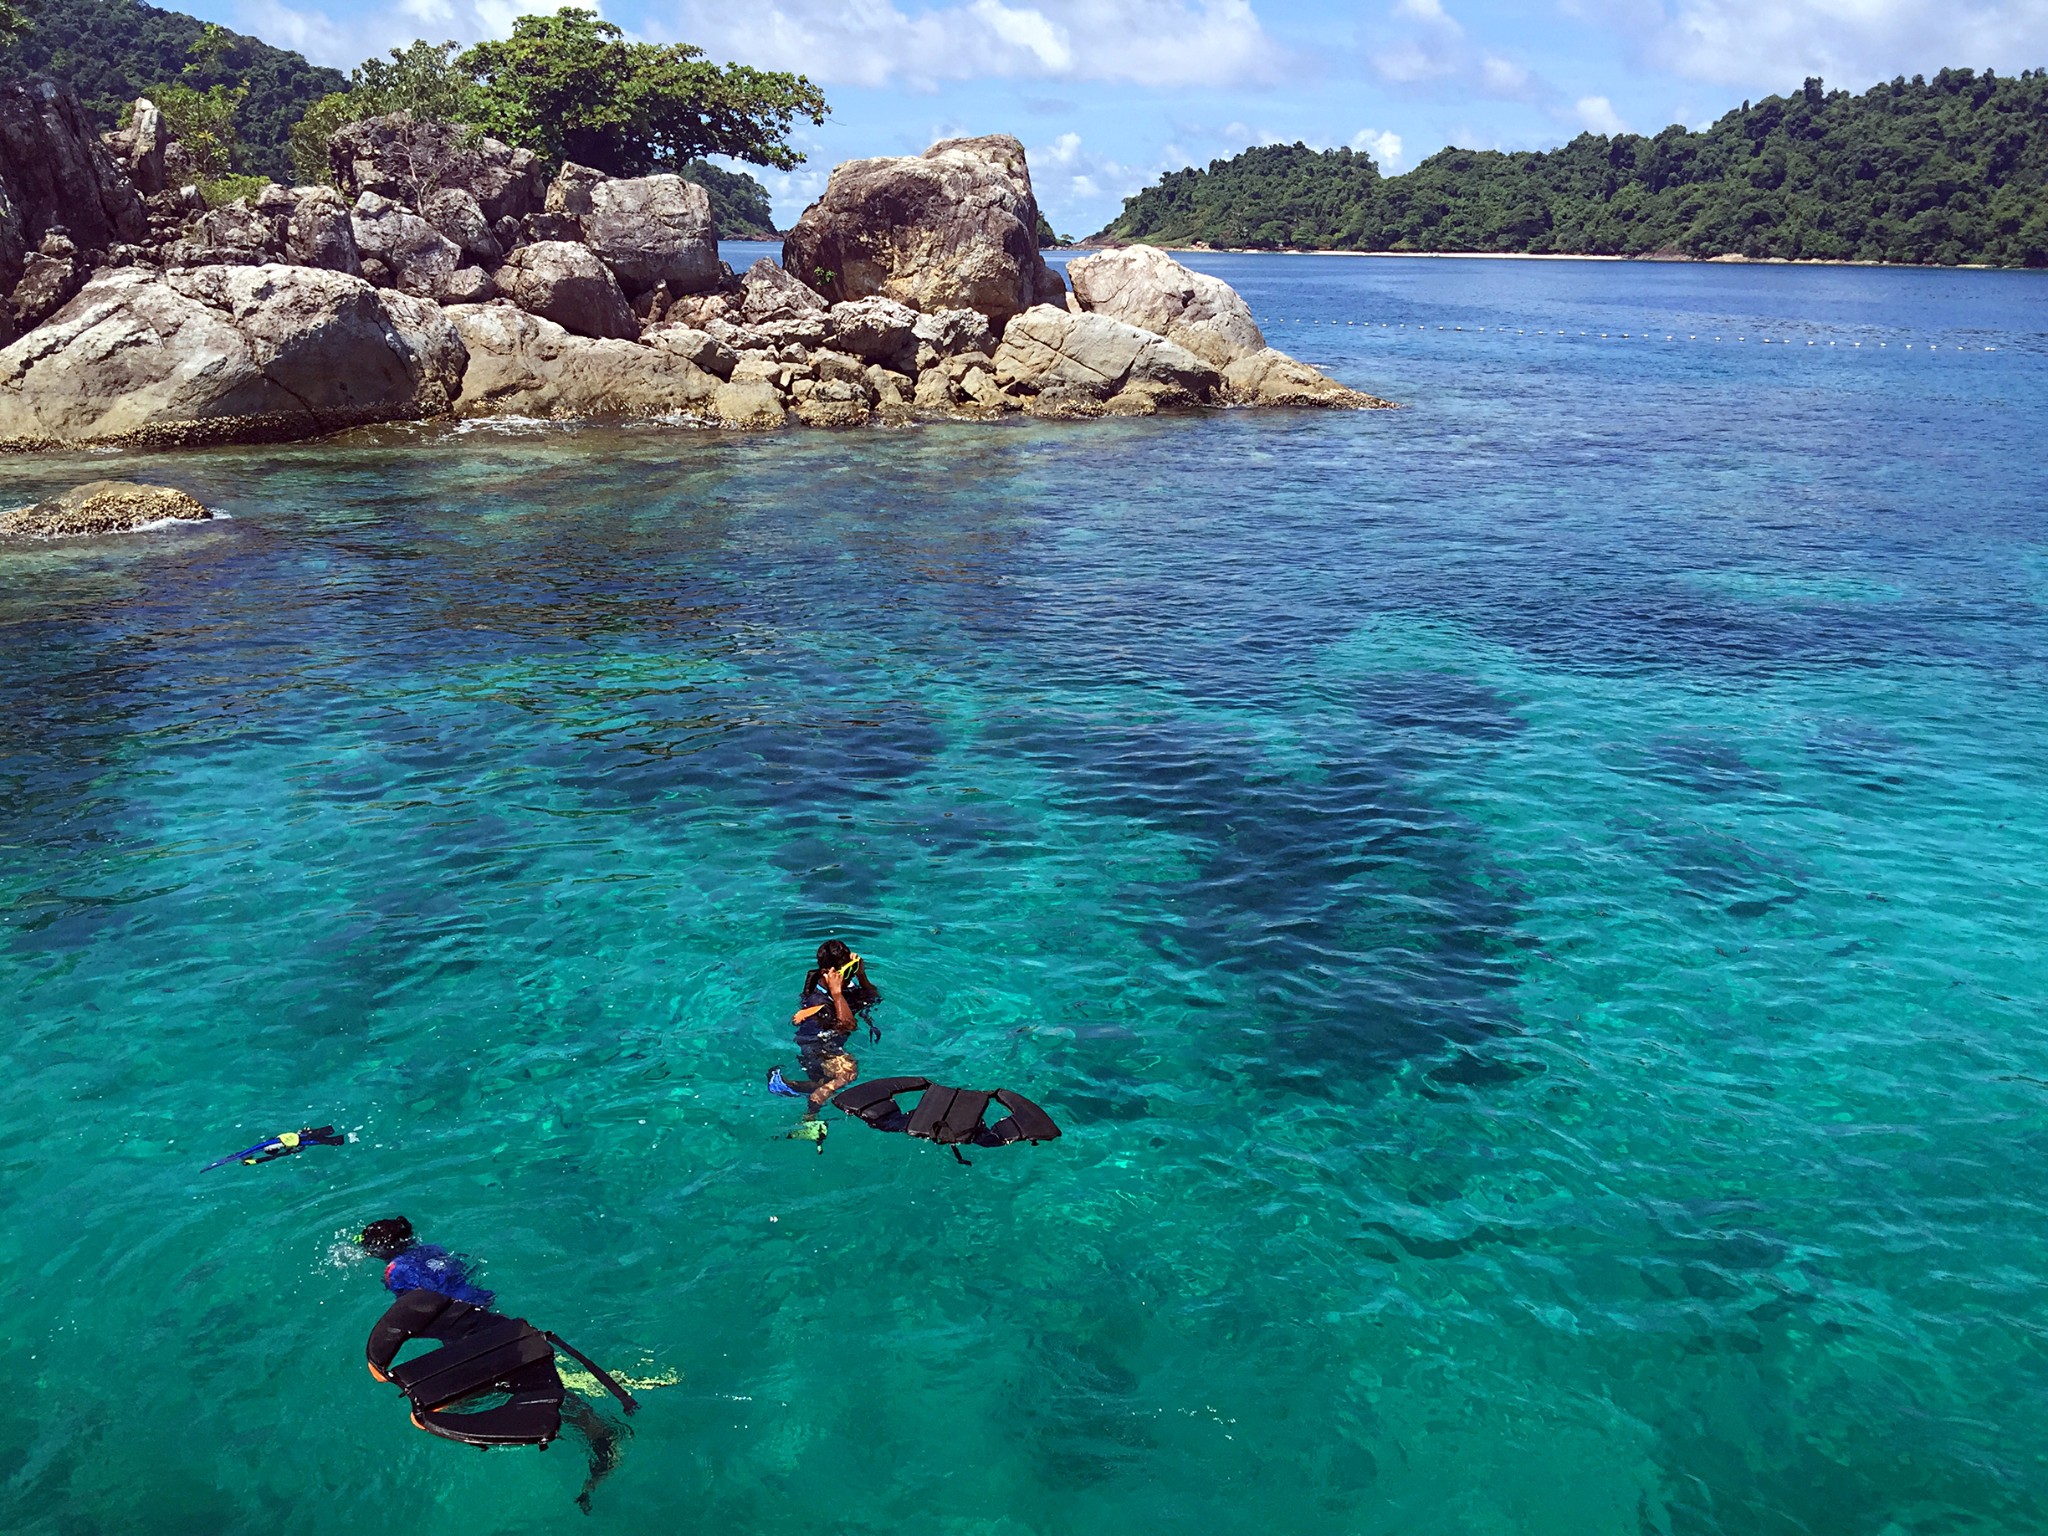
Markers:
<point>1528,907</point>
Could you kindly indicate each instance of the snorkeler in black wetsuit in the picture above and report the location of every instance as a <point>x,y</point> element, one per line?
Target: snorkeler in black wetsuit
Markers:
<point>411,1265</point>
<point>836,992</point>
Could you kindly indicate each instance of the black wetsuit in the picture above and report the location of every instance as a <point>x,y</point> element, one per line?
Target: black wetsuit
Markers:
<point>819,1034</point>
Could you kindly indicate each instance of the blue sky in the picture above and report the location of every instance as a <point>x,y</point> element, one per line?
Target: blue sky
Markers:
<point>1106,94</point>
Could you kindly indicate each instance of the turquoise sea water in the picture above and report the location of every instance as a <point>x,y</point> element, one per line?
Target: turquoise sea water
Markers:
<point>1528,907</point>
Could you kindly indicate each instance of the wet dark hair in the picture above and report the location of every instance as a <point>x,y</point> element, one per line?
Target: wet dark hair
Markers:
<point>388,1238</point>
<point>832,954</point>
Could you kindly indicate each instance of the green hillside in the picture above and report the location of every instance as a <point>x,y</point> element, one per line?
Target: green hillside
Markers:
<point>111,51</point>
<point>1948,170</point>
<point>739,203</point>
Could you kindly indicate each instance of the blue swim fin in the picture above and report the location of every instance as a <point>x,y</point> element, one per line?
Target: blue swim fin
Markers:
<point>777,1085</point>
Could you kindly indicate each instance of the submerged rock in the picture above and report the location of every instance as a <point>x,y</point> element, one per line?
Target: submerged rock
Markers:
<point>1143,286</point>
<point>1271,377</point>
<point>225,354</point>
<point>101,506</point>
<point>953,228</point>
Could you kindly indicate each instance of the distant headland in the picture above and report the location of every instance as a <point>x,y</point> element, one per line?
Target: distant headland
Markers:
<point>1947,171</point>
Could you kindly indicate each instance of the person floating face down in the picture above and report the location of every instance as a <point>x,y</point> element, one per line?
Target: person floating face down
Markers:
<point>835,993</point>
<point>412,1265</point>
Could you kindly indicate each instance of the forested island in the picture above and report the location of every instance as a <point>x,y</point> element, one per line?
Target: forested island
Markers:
<point>1945,171</point>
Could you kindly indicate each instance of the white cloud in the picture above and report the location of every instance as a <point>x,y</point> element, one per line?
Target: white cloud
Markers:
<point>366,34</point>
<point>1597,114</point>
<point>1771,45</point>
<point>1427,43</point>
<point>874,43</point>
<point>1384,147</point>
<point>1504,77</point>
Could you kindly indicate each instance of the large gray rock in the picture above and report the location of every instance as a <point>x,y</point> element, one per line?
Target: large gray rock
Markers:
<point>234,234</point>
<point>457,217</point>
<point>406,158</point>
<point>768,292</point>
<point>652,230</point>
<point>568,284</point>
<point>319,232</point>
<point>411,255</point>
<point>1271,377</point>
<point>953,228</point>
<point>1143,286</point>
<point>569,193</point>
<point>950,332</point>
<point>1054,351</point>
<point>875,329</point>
<point>102,506</point>
<point>699,347</point>
<point>225,354</point>
<point>56,174</point>
<point>523,365</point>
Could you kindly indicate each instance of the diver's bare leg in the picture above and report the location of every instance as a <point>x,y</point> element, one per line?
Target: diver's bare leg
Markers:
<point>839,1071</point>
<point>603,1440</point>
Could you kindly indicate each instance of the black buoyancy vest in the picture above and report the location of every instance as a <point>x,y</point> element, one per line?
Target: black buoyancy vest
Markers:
<point>481,1354</point>
<point>949,1116</point>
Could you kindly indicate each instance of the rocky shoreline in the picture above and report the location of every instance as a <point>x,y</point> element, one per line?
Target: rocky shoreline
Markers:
<point>443,275</point>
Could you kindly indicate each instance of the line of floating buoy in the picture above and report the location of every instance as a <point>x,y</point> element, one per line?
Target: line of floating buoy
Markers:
<point>1502,330</point>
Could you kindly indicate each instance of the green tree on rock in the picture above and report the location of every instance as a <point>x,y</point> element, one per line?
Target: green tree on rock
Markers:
<point>571,87</point>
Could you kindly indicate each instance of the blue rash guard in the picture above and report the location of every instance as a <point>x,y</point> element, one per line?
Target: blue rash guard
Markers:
<point>426,1267</point>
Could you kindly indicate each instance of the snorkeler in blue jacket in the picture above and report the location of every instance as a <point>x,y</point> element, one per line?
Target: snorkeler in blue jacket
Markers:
<point>416,1266</point>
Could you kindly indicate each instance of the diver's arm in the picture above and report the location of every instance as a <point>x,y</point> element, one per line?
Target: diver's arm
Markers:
<point>842,1010</point>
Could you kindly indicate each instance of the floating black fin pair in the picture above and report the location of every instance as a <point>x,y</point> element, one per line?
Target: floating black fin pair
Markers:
<point>949,1116</point>
<point>283,1144</point>
<point>482,1356</point>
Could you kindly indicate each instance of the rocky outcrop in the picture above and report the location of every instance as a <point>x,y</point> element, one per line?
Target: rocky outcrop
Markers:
<point>225,354</point>
<point>953,228</point>
<point>102,506</point>
<point>523,365</point>
<point>1270,377</point>
<point>1064,359</point>
<point>1143,286</point>
<point>769,293</point>
<point>138,148</point>
<point>407,159</point>
<point>56,178</point>
<point>399,249</point>
<point>653,231</point>
<point>443,275</point>
<point>567,283</point>
<point>320,233</point>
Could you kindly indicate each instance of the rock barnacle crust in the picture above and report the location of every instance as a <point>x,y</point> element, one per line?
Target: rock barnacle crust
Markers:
<point>102,506</point>
<point>444,274</point>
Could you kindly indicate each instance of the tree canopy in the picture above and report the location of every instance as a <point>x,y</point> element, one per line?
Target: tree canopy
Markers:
<point>1952,169</point>
<point>571,87</point>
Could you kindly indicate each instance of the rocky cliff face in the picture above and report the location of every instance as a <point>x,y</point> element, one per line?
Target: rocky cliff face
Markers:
<point>65,206</point>
<point>444,273</point>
